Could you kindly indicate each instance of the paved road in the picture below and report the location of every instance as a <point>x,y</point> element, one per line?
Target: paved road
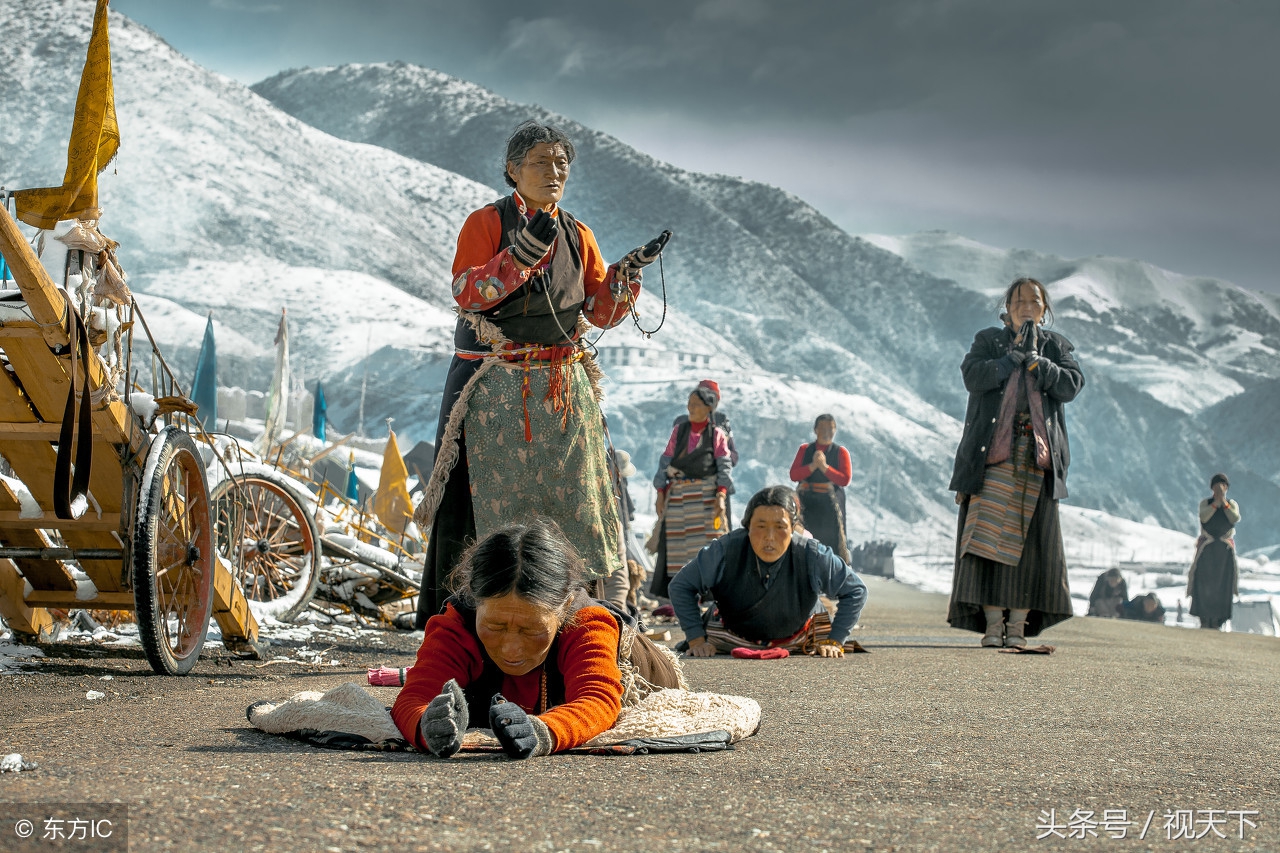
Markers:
<point>927,743</point>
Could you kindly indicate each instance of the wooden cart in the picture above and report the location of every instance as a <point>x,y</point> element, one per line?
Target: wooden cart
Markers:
<point>147,541</point>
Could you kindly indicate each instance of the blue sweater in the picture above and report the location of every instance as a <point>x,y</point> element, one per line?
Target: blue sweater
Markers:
<point>828,575</point>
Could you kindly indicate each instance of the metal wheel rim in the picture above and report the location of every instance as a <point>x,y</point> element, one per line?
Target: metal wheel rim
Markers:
<point>184,555</point>
<point>270,517</point>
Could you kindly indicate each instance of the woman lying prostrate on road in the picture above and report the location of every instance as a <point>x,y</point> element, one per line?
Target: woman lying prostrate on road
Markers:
<point>519,647</point>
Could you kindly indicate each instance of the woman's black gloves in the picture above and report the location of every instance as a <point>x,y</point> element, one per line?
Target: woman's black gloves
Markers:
<point>1046,372</point>
<point>533,241</point>
<point>648,253</point>
<point>1030,338</point>
<point>444,721</point>
<point>521,736</point>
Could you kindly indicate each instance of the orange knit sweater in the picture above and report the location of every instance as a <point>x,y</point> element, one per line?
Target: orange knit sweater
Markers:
<point>586,654</point>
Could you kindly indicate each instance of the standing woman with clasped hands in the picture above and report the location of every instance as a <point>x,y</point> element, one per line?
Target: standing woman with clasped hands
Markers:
<point>1010,472</point>
<point>693,483</point>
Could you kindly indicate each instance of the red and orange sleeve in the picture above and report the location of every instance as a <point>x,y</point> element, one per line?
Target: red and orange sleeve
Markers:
<point>448,651</point>
<point>588,659</point>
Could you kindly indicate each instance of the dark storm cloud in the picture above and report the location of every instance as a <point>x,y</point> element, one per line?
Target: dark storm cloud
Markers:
<point>1144,128</point>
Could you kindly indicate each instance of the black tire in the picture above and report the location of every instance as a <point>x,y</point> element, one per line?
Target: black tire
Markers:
<point>267,533</point>
<point>173,556</point>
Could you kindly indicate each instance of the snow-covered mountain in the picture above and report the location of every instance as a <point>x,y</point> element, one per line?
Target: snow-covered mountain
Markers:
<point>844,313</point>
<point>241,203</point>
<point>1188,365</point>
<point>222,202</point>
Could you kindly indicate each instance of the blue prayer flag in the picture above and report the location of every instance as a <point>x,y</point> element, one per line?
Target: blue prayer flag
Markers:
<point>318,422</point>
<point>353,484</point>
<point>204,388</point>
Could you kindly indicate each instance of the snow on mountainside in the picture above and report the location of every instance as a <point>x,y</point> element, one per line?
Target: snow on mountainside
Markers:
<point>224,202</point>
<point>221,201</point>
<point>721,275</point>
<point>850,317</point>
<point>1190,342</point>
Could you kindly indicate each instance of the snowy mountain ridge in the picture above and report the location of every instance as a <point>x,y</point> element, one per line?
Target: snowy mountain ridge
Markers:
<point>882,327</point>
<point>224,202</point>
<point>1131,317</point>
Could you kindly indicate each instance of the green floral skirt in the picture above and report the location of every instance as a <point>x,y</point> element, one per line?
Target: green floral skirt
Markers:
<point>529,457</point>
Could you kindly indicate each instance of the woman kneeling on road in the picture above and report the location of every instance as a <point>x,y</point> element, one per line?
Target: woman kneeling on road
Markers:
<point>519,647</point>
<point>766,579</point>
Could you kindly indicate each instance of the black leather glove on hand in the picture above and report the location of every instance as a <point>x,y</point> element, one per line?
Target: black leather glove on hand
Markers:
<point>533,241</point>
<point>1044,371</point>
<point>444,721</point>
<point>646,254</point>
<point>521,736</point>
<point>1026,338</point>
<point>1017,356</point>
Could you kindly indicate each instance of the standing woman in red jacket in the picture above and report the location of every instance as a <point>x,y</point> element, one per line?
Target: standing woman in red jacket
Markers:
<point>823,469</point>
<point>520,432</point>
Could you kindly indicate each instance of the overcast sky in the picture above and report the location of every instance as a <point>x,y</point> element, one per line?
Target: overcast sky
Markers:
<point>1139,128</point>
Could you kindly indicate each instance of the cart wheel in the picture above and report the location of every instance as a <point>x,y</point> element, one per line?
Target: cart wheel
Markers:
<point>276,556</point>
<point>173,558</point>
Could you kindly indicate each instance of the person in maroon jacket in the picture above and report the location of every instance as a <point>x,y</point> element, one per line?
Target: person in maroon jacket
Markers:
<point>823,469</point>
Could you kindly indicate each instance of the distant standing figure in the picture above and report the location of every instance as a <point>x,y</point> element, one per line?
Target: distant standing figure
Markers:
<point>822,469</point>
<point>1010,473</point>
<point>1214,577</point>
<point>1110,593</point>
<point>693,482</point>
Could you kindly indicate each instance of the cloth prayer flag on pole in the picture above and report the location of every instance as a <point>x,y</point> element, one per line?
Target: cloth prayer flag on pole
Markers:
<point>392,504</point>
<point>278,400</point>
<point>353,482</point>
<point>95,139</point>
<point>204,388</point>
<point>319,423</point>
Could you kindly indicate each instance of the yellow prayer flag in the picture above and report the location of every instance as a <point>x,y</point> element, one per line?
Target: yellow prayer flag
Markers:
<point>95,138</point>
<point>392,504</point>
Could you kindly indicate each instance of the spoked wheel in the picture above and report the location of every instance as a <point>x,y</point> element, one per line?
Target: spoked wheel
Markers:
<point>276,551</point>
<point>173,558</point>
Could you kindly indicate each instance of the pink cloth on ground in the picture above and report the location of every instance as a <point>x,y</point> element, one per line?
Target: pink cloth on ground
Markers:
<point>760,654</point>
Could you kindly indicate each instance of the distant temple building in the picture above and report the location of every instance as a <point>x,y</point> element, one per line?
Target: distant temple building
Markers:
<point>627,355</point>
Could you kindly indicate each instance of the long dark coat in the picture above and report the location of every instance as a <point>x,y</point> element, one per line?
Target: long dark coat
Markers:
<point>985,371</point>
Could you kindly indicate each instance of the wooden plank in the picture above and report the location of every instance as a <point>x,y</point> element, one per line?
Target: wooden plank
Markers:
<point>12,520</point>
<point>17,614</point>
<point>33,463</point>
<point>30,431</point>
<point>18,420</point>
<point>44,378</point>
<point>69,601</point>
<point>230,608</point>
<point>48,306</point>
<point>43,574</point>
<point>42,296</point>
<point>15,408</point>
<point>20,330</point>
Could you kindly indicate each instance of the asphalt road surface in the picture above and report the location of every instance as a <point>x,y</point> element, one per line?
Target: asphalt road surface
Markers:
<point>927,743</point>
